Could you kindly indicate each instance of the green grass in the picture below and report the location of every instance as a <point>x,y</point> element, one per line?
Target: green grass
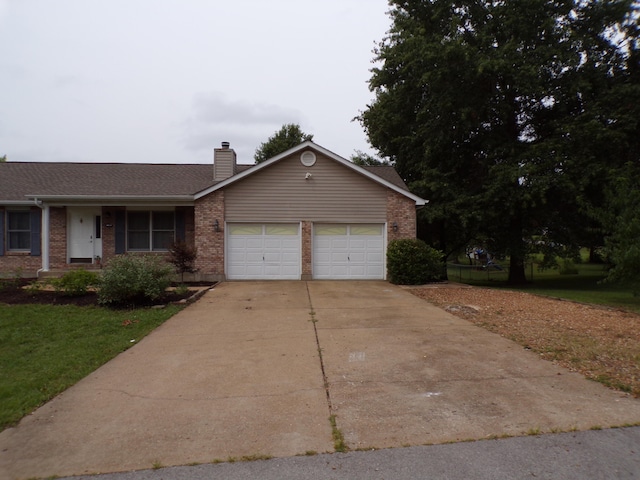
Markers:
<point>586,286</point>
<point>44,349</point>
<point>338,438</point>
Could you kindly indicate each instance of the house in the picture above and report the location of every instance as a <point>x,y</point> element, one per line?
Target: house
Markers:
<point>304,214</point>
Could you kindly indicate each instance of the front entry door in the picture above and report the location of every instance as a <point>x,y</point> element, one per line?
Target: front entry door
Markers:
<point>82,246</point>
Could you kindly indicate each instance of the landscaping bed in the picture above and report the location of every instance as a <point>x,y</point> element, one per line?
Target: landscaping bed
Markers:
<point>19,292</point>
<point>599,342</point>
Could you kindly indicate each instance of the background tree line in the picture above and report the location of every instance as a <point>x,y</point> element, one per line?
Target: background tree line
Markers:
<point>518,120</point>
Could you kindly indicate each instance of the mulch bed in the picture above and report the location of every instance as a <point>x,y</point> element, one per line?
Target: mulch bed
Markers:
<point>13,293</point>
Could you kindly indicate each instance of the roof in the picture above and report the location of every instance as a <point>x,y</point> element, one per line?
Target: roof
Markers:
<point>21,182</point>
<point>21,179</point>
<point>387,172</point>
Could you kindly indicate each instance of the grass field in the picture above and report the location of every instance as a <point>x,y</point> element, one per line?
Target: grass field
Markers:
<point>585,286</point>
<point>45,349</point>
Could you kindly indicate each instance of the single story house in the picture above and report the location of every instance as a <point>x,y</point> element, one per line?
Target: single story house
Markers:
<point>304,214</point>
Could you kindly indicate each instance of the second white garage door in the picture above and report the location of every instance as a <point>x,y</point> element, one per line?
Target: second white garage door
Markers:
<point>348,251</point>
<point>263,252</point>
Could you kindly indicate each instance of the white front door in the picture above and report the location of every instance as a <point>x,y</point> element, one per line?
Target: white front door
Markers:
<point>263,251</point>
<point>342,252</point>
<point>83,245</point>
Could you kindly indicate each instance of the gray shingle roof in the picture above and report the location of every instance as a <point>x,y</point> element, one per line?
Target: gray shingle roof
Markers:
<point>19,179</point>
<point>388,173</point>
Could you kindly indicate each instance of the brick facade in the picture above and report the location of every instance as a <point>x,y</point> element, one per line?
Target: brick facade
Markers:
<point>307,251</point>
<point>58,237</point>
<point>208,241</point>
<point>200,230</point>
<point>401,211</point>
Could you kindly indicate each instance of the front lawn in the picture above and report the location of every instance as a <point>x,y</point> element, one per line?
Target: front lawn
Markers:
<point>44,349</point>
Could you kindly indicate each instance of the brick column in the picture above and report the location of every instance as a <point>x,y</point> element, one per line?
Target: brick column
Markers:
<point>307,252</point>
<point>401,211</point>
<point>210,244</point>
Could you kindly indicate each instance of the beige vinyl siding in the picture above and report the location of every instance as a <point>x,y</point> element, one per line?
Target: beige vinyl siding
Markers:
<point>223,164</point>
<point>280,193</point>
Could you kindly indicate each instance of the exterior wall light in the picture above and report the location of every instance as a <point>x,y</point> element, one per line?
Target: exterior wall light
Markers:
<point>216,225</point>
<point>395,226</point>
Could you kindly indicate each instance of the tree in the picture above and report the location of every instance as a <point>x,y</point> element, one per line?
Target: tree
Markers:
<point>183,257</point>
<point>480,104</point>
<point>364,159</point>
<point>289,136</point>
<point>623,221</point>
<point>3,158</point>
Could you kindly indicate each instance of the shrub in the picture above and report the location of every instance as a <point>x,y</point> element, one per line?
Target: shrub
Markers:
<point>76,282</point>
<point>413,262</point>
<point>183,257</point>
<point>134,279</point>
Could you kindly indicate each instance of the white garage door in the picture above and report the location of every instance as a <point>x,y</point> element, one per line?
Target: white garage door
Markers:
<point>263,252</point>
<point>348,251</point>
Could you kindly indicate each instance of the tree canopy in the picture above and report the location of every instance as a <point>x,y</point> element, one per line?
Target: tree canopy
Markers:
<point>363,159</point>
<point>494,110</point>
<point>287,137</point>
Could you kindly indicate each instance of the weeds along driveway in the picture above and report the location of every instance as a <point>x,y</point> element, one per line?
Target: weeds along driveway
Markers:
<point>243,371</point>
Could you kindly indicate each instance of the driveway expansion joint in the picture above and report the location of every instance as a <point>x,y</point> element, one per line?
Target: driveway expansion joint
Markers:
<point>325,380</point>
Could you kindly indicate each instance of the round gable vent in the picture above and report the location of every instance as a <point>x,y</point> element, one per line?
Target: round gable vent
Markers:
<point>308,159</point>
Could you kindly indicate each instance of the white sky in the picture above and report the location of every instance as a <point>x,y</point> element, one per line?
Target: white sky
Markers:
<point>165,81</point>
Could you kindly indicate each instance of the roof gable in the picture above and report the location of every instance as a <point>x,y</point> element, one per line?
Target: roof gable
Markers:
<point>392,180</point>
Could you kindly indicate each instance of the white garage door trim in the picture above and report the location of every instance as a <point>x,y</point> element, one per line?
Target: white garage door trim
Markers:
<point>348,251</point>
<point>258,251</point>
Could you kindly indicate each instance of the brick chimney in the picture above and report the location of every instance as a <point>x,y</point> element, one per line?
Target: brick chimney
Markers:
<point>224,162</point>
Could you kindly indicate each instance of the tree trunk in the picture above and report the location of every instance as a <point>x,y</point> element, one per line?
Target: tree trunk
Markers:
<point>516,252</point>
<point>516,271</point>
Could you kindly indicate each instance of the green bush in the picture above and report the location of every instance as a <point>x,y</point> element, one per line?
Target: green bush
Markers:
<point>76,282</point>
<point>413,262</point>
<point>134,279</point>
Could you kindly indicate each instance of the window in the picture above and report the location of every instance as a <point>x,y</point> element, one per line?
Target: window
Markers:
<point>19,230</point>
<point>150,231</point>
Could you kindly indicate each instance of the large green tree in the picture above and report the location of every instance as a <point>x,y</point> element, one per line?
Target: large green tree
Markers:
<point>481,105</point>
<point>289,136</point>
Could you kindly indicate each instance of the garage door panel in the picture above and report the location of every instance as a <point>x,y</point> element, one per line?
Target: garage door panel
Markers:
<point>348,251</point>
<point>357,257</point>
<point>263,251</point>
<point>338,243</point>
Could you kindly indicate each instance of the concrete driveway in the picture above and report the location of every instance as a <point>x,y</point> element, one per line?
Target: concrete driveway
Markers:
<point>256,369</point>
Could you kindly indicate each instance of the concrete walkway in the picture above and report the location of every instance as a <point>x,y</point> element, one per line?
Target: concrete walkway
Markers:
<point>242,373</point>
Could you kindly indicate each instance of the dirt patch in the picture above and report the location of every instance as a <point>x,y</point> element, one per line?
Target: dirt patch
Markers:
<point>601,343</point>
<point>18,293</point>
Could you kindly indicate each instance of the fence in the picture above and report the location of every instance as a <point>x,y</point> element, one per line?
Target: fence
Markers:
<point>483,273</point>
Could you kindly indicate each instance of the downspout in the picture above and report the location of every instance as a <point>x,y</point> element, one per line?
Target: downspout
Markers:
<point>45,236</point>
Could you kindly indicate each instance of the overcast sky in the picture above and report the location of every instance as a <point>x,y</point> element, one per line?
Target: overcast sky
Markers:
<point>165,81</point>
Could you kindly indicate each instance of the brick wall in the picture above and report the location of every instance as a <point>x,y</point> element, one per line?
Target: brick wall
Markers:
<point>57,237</point>
<point>210,244</point>
<point>307,254</point>
<point>402,212</point>
<point>19,264</point>
<point>108,218</point>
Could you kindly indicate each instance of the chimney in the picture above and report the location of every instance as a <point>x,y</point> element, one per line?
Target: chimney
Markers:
<point>224,162</point>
